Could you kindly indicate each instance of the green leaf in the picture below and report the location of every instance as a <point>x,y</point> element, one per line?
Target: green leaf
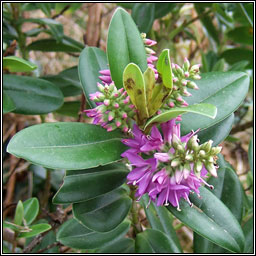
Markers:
<point>207,23</point>
<point>164,68</point>
<point>208,110</point>
<point>124,45</point>
<point>161,9</point>
<point>237,54</point>
<point>225,90</point>
<point>242,35</point>
<point>31,209</point>
<point>91,61</point>
<point>143,15</point>
<point>52,45</point>
<point>75,235</point>
<point>94,213</point>
<point>69,108</point>
<point>19,214</point>
<point>212,220</point>
<point>16,64</point>
<point>126,5</point>
<point>160,219</point>
<point>225,185</point>
<point>8,104</point>
<point>152,241</point>
<point>32,96</point>
<point>135,86</point>
<point>72,7</point>
<point>244,13</point>
<point>12,226</point>
<point>217,132</point>
<point>80,186</point>
<point>250,154</point>
<point>46,8</point>
<point>239,66</point>
<point>67,80</point>
<point>124,245</point>
<point>67,145</point>
<point>56,28</point>
<point>35,230</point>
<point>48,239</point>
<point>248,233</point>
<point>219,65</point>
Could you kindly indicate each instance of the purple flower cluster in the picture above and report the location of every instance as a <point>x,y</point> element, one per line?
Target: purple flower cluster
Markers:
<point>114,108</point>
<point>161,175</point>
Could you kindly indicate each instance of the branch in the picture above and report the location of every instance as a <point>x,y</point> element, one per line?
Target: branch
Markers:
<point>241,128</point>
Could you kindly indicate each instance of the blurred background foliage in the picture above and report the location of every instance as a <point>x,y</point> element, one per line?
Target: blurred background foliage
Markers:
<point>50,36</point>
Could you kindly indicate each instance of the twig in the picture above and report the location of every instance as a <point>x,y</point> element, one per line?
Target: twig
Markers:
<point>61,12</point>
<point>47,189</point>
<point>13,169</point>
<point>134,213</point>
<point>242,127</point>
<point>49,247</point>
<point>82,107</point>
<point>11,49</point>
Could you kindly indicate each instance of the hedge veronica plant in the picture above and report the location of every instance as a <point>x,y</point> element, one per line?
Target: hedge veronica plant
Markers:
<point>155,126</point>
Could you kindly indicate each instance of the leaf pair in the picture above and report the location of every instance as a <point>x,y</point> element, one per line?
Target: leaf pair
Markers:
<point>147,95</point>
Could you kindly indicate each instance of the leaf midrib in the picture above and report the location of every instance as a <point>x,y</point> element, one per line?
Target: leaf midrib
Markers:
<point>73,145</point>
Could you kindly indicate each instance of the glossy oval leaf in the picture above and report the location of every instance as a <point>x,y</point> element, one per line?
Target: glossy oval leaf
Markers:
<point>164,68</point>
<point>31,209</point>
<point>248,233</point>
<point>225,90</point>
<point>67,80</point>
<point>225,185</point>
<point>75,235</point>
<point>91,61</point>
<point>152,241</point>
<point>242,35</point>
<point>35,230</point>
<point>124,46</point>
<point>205,109</point>
<point>80,185</point>
<point>16,64</point>
<point>67,44</point>
<point>212,220</point>
<point>19,214</point>
<point>69,108</point>
<point>217,132</point>
<point>8,104</point>
<point>124,245</point>
<point>32,96</point>
<point>160,219</point>
<point>135,86</point>
<point>161,9</point>
<point>235,55</point>
<point>143,15</point>
<point>66,145</point>
<point>95,213</point>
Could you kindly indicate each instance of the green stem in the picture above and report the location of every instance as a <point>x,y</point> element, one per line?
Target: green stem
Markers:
<point>134,213</point>
<point>16,13</point>
<point>178,226</point>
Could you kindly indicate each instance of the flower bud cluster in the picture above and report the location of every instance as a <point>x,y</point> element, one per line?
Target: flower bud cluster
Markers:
<point>192,153</point>
<point>114,108</point>
<point>150,53</point>
<point>181,82</point>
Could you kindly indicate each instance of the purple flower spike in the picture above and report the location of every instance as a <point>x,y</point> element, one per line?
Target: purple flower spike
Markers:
<point>165,175</point>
